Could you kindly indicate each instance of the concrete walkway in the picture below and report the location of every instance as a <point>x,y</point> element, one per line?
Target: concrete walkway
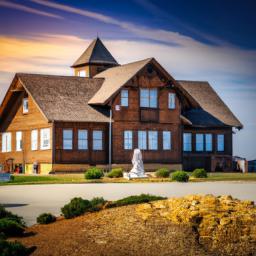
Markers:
<point>31,200</point>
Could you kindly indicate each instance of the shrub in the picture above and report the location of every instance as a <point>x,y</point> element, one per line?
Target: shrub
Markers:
<point>199,173</point>
<point>115,173</point>
<point>162,173</point>
<point>45,218</point>
<point>93,173</point>
<point>77,206</point>
<point>10,227</point>
<point>97,203</point>
<point>6,214</point>
<point>14,249</point>
<point>143,198</point>
<point>180,176</point>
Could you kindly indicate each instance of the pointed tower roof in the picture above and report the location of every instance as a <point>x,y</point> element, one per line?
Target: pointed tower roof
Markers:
<point>96,53</point>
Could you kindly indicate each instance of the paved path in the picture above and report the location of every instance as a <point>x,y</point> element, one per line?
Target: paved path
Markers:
<point>31,200</point>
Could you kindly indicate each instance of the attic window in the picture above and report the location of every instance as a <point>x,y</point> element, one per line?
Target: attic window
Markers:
<point>25,105</point>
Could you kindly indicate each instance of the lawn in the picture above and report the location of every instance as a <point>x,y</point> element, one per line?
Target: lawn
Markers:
<point>79,178</point>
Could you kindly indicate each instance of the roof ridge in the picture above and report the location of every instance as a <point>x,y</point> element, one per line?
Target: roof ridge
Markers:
<point>194,81</point>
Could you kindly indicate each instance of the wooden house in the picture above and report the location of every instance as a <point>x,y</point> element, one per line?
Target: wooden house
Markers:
<point>105,111</point>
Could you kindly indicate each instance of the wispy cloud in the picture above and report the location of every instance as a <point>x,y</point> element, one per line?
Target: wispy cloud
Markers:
<point>28,9</point>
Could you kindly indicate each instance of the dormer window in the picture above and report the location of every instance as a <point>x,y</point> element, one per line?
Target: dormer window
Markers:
<point>148,98</point>
<point>82,73</point>
<point>124,98</point>
<point>25,105</point>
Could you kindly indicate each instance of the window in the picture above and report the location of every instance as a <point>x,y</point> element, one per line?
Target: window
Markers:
<point>167,140</point>
<point>34,139</point>
<point>68,139</point>
<point>142,139</point>
<point>82,73</point>
<point>127,139</point>
<point>25,105</point>
<point>171,100</point>
<point>199,142</point>
<point>208,142</point>
<point>148,98</point>
<point>187,142</point>
<point>45,138</point>
<point>124,98</point>
<point>152,140</point>
<point>82,139</point>
<point>18,141</point>
<point>6,142</point>
<point>97,140</point>
<point>220,142</point>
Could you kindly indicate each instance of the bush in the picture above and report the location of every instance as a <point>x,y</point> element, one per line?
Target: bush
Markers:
<point>6,214</point>
<point>45,218</point>
<point>162,173</point>
<point>14,249</point>
<point>143,198</point>
<point>93,173</point>
<point>77,206</point>
<point>10,227</point>
<point>115,173</point>
<point>180,176</point>
<point>97,203</point>
<point>199,173</point>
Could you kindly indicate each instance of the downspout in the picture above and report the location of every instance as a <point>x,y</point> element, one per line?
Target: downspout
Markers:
<point>110,139</point>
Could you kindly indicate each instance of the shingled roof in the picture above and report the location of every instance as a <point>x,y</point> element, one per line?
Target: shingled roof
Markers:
<point>65,98</point>
<point>96,53</point>
<point>210,102</point>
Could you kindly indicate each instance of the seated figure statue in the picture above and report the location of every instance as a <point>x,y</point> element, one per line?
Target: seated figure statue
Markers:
<point>138,169</point>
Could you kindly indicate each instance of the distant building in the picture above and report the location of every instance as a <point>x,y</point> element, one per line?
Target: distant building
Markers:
<point>252,166</point>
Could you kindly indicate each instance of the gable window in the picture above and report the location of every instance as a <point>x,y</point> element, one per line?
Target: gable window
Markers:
<point>124,98</point>
<point>167,140</point>
<point>208,142</point>
<point>148,98</point>
<point>68,139</point>
<point>187,142</point>
<point>171,100</point>
<point>34,139</point>
<point>45,138</point>
<point>82,139</point>
<point>199,142</point>
<point>19,141</point>
<point>152,140</point>
<point>97,140</point>
<point>6,142</point>
<point>220,142</point>
<point>82,73</point>
<point>25,105</point>
<point>127,139</point>
<point>142,139</point>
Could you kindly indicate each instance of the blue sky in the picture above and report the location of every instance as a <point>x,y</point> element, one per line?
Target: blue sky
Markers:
<point>199,40</point>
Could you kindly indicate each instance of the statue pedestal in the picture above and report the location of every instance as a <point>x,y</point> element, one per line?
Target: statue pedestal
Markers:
<point>128,176</point>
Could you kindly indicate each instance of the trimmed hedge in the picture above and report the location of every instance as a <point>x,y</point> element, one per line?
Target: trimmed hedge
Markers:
<point>97,204</point>
<point>115,173</point>
<point>6,214</point>
<point>10,227</point>
<point>180,176</point>
<point>93,173</point>
<point>14,249</point>
<point>199,173</point>
<point>162,173</point>
<point>45,218</point>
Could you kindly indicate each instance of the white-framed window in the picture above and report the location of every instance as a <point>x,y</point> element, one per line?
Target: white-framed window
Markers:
<point>45,139</point>
<point>34,139</point>
<point>67,139</point>
<point>187,142</point>
<point>97,140</point>
<point>167,140</point>
<point>19,141</point>
<point>82,139</point>
<point>128,139</point>
<point>6,142</point>
<point>220,142</point>
<point>171,100</point>
<point>25,105</point>
<point>142,139</point>
<point>148,98</point>
<point>152,140</point>
<point>124,98</point>
<point>208,142</point>
<point>82,73</point>
<point>199,142</point>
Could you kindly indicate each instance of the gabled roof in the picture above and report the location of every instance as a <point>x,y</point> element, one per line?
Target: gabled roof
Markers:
<point>65,98</point>
<point>210,102</point>
<point>96,53</point>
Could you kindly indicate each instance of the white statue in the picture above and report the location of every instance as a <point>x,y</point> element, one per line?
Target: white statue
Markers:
<point>138,169</point>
